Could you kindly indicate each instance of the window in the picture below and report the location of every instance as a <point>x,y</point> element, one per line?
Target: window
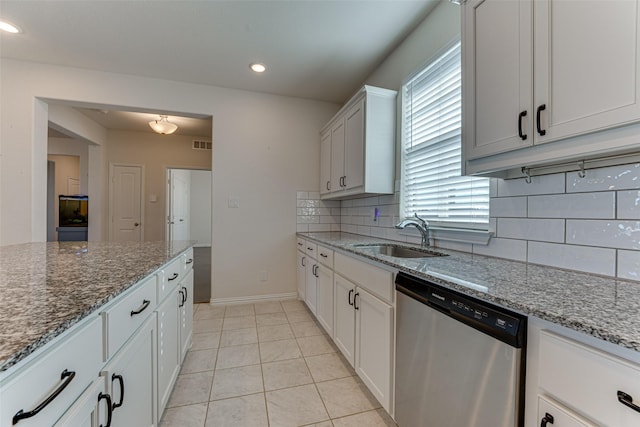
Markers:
<point>431,183</point>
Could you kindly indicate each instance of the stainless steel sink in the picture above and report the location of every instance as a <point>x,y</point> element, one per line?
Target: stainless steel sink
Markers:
<point>398,251</point>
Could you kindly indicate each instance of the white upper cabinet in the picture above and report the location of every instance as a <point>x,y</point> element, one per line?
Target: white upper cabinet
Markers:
<point>543,71</point>
<point>361,137</point>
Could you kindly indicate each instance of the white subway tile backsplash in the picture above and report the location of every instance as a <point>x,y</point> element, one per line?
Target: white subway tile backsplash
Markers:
<point>583,205</point>
<point>628,204</point>
<point>629,265</point>
<point>503,248</point>
<point>545,230</point>
<point>582,258</point>
<point>624,177</point>
<point>544,184</point>
<point>604,233</point>
<point>315,228</point>
<point>509,207</point>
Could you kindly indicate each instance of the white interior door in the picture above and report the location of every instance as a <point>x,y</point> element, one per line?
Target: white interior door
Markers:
<point>126,203</point>
<point>179,204</point>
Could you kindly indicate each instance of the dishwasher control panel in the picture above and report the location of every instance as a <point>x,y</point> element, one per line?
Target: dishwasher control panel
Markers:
<point>486,317</point>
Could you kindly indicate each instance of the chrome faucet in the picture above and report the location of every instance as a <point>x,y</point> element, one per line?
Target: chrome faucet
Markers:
<point>420,224</point>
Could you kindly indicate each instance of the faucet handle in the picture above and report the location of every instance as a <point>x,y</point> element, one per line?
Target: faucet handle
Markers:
<point>424,222</point>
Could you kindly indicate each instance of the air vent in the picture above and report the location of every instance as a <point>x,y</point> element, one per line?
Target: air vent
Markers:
<point>201,145</point>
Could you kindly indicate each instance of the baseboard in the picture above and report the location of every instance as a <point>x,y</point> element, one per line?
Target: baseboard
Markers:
<point>253,299</point>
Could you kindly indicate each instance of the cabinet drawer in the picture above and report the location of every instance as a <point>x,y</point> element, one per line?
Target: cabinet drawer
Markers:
<point>122,319</point>
<point>78,353</point>
<point>300,244</point>
<point>311,249</point>
<point>325,256</point>
<point>374,279</point>
<point>588,380</point>
<point>561,417</point>
<point>169,276</point>
<point>187,261</point>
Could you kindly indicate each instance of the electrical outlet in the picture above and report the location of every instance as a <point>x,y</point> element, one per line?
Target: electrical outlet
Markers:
<point>264,276</point>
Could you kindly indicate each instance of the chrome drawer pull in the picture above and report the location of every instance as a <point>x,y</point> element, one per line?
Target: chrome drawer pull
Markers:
<point>143,307</point>
<point>189,261</point>
<point>627,400</point>
<point>174,277</point>
<point>67,376</point>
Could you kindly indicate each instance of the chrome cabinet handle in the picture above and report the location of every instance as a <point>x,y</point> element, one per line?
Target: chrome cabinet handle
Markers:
<point>349,296</point>
<point>136,224</point>
<point>109,407</point>
<point>143,307</point>
<point>189,261</point>
<point>302,261</point>
<point>323,255</point>
<point>121,381</point>
<point>186,295</point>
<point>67,376</point>
<point>173,277</point>
<point>627,400</point>
<point>355,300</point>
<point>328,185</point>
<point>181,303</point>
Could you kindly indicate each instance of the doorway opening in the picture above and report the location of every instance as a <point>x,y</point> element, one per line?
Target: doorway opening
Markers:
<point>188,214</point>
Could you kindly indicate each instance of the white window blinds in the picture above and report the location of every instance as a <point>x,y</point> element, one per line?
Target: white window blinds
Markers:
<point>432,185</point>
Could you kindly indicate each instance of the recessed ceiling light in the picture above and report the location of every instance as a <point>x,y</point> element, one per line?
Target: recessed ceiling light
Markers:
<point>9,27</point>
<point>258,68</point>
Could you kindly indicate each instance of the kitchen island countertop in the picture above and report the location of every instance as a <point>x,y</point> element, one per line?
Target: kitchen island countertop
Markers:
<point>46,288</point>
<point>603,307</point>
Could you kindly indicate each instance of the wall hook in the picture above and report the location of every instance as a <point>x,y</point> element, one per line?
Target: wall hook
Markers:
<point>581,172</point>
<point>527,174</point>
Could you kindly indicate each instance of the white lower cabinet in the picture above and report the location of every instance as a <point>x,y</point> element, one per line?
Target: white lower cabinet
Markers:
<point>553,414</point>
<point>186,314</point>
<point>374,345</point>
<point>130,378</point>
<point>301,274</point>
<point>345,318</point>
<point>168,348</point>
<point>311,284</point>
<point>324,307</point>
<point>364,331</point>
<point>92,409</point>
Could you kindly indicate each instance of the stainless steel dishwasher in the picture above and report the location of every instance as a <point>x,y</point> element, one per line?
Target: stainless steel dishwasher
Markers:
<point>459,361</point>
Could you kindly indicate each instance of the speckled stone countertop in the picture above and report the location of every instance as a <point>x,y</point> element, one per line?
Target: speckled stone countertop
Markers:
<point>605,308</point>
<point>45,288</point>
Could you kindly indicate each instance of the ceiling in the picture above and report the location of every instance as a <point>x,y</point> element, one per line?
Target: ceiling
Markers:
<point>317,49</point>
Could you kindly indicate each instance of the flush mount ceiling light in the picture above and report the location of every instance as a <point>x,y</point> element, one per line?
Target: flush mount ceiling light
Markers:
<point>257,67</point>
<point>163,126</point>
<point>9,27</point>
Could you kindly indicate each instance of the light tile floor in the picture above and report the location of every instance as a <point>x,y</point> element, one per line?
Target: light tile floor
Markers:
<point>267,364</point>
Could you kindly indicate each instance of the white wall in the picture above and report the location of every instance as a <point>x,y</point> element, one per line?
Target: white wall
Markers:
<point>265,148</point>
<point>201,207</point>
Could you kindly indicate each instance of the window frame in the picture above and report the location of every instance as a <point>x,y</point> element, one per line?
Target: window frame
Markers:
<point>472,232</point>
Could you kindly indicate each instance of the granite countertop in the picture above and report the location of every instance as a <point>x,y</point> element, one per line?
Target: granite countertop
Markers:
<point>45,288</point>
<point>606,308</point>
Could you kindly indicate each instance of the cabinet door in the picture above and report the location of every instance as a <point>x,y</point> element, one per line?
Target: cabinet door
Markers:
<point>497,81</point>
<point>131,380</point>
<point>90,410</point>
<point>301,274</point>
<point>337,156</point>
<point>345,317</point>
<point>324,312</point>
<point>186,315</point>
<point>168,358</point>
<point>354,146</point>
<point>587,80</point>
<point>325,163</point>
<point>374,345</point>
<point>557,416</point>
<point>311,296</point>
